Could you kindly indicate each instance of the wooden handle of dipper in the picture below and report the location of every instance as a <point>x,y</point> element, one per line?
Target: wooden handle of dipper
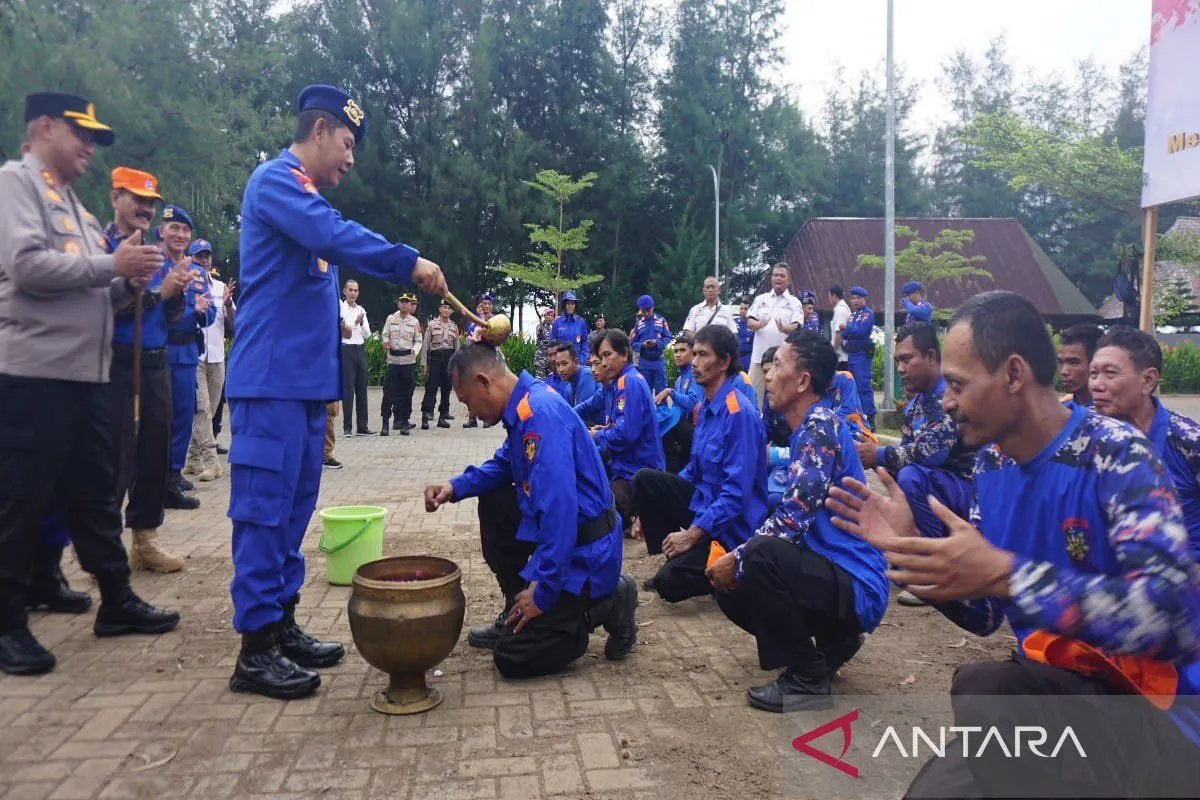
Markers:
<point>471,315</point>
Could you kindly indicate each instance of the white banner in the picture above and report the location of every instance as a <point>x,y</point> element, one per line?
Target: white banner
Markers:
<point>1172,165</point>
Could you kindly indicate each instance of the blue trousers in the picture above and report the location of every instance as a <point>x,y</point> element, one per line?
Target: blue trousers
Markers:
<point>860,367</point>
<point>275,474</point>
<point>183,408</point>
<point>655,373</point>
<point>953,491</point>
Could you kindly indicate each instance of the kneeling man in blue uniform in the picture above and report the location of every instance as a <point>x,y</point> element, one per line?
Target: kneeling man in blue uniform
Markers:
<point>283,370</point>
<point>554,544</point>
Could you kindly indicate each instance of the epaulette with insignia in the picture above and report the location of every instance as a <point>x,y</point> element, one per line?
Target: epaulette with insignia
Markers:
<point>732,404</point>
<point>305,182</point>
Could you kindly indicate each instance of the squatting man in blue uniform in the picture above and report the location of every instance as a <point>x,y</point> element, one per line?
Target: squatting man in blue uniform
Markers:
<point>721,495</point>
<point>806,590</point>
<point>553,544</point>
<point>1076,538</point>
<point>277,401</point>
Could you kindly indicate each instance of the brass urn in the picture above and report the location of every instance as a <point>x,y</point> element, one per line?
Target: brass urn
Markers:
<point>406,614</point>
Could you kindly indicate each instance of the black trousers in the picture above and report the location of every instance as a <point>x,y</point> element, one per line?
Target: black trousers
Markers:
<point>398,391</point>
<point>144,454</point>
<point>622,491</point>
<point>56,449</point>
<point>437,379</point>
<point>218,414</point>
<point>677,445</point>
<point>354,386</point>
<point>1133,749</point>
<point>550,642</point>
<point>660,501</point>
<point>788,597</point>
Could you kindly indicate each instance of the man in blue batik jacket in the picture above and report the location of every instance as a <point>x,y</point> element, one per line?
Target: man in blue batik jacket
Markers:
<point>855,338</point>
<point>551,535</point>
<point>916,307</point>
<point>1075,538</point>
<point>283,370</point>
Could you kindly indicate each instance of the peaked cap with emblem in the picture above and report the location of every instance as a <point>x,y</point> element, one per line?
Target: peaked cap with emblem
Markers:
<point>79,111</point>
<point>337,103</point>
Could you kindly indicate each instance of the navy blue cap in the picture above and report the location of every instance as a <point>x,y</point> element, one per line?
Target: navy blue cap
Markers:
<point>858,291</point>
<point>173,213</point>
<point>808,297</point>
<point>645,302</point>
<point>569,295</point>
<point>910,287</point>
<point>334,101</point>
<point>485,296</point>
<point>199,246</point>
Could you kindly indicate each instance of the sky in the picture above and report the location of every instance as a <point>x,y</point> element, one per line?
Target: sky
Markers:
<point>1043,36</point>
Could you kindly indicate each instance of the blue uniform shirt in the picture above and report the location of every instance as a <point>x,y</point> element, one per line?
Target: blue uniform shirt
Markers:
<point>1176,439</point>
<point>575,391</point>
<point>288,338</point>
<point>571,329</point>
<point>741,382</point>
<point>842,396</point>
<point>812,322</point>
<point>822,454</point>
<point>631,439</point>
<point>1100,548</point>
<point>728,468</point>
<point>547,441</point>
<point>856,338</point>
<point>650,337</point>
<point>929,438</point>
<point>686,394</point>
<point>917,312</point>
<point>154,316</point>
<point>182,335</point>
<point>745,338</point>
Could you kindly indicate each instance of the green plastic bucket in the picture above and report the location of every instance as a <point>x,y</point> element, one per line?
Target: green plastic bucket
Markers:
<point>350,537</point>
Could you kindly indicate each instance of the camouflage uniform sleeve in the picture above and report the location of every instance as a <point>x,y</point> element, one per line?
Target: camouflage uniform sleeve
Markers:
<point>930,446</point>
<point>1184,436</point>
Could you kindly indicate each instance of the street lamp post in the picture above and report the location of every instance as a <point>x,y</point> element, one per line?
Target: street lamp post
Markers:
<point>889,228</point>
<point>716,175</point>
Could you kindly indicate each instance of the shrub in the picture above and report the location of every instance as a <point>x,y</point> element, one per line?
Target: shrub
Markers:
<point>518,352</point>
<point>377,362</point>
<point>1181,369</point>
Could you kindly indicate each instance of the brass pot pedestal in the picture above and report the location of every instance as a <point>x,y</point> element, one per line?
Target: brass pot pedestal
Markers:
<point>407,694</point>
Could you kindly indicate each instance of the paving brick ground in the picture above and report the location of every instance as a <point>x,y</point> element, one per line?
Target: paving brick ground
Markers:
<point>153,717</point>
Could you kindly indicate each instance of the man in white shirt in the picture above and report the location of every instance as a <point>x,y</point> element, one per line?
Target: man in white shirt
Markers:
<point>202,459</point>
<point>773,315</point>
<point>841,315</point>
<point>709,312</point>
<point>355,330</point>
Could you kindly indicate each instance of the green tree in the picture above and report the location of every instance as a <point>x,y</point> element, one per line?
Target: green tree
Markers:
<point>1174,303</point>
<point>928,261</point>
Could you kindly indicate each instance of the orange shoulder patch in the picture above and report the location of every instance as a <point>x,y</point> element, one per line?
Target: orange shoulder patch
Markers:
<point>305,182</point>
<point>524,410</point>
<point>621,382</point>
<point>731,403</point>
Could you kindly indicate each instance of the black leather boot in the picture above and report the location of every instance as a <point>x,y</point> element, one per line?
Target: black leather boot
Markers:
<point>263,669</point>
<point>486,636</point>
<point>621,620</point>
<point>383,429</point>
<point>175,496</point>
<point>444,422</point>
<point>122,612</point>
<point>801,688</point>
<point>471,423</point>
<point>50,590</point>
<point>425,421</point>
<point>185,484</point>
<point>838,654</point>
<point>21,654</point>
<point>301,648</point>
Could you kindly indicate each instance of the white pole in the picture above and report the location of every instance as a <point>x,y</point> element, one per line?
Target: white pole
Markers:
<point>716,223</point>
<point>889,226</point>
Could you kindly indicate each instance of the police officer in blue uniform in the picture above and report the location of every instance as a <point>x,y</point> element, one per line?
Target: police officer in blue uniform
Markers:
<point>856,341</point>
<point>812,320</point>
<point>553,544</point>
<point>183,348</point>
<point>745,337</point>
<point>568,327</point>
<point>916,307</point>
<point>721,495</point>
<point>283,369</point>
<point>649,340</point>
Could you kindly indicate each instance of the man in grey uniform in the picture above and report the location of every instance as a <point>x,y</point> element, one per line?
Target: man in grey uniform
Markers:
<point>58,290</point>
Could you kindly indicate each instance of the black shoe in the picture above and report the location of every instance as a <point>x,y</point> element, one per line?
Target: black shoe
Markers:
<point>132,615</point>
<point>450,417</point>
<point>383,430</point>
<point>425,420</point>
<point>177,499</point>
<point>406,429</point>
<point>621,620</point>
<point>185,484</point>
<point>347,432</point>
<point>331,463</point>
<point>471,423</point>
<point>796,689</point>
<point>21,654</point>
<point>302,649</point>
<point>263,669</point>
<point>649,585</point>
<point>444,422</point>
<point>222,451</point>
<point>838,654</point>
<point>486,636</point>
<point>488,424</point>
<point>366,432</point>
<point>50,590</point>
